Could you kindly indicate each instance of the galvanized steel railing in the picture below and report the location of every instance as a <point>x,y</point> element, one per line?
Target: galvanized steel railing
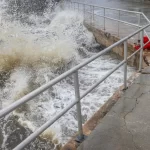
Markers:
<point>91,9</point>
<point>78,97</point>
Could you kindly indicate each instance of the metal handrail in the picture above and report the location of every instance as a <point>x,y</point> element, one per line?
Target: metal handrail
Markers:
<point>56,80</point>
<point>131,24</point>
<point>145,17</point>
<point>106,17</point>
<point>62,76</point>
<point>78,98</point>
<point>123,10</point>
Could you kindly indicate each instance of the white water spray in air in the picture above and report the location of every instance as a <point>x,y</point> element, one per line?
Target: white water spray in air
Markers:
<point>34,54</point>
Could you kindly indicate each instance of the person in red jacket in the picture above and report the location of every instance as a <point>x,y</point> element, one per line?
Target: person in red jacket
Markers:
<point>137,45</point>
<point>146,40</point>
<point>145,48</point>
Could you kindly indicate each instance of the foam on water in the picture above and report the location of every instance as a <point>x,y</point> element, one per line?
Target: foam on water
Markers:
<point>35,54</point>
<point>34,58</point>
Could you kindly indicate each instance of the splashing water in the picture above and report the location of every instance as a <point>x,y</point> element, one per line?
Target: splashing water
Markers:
<point>35,50</point>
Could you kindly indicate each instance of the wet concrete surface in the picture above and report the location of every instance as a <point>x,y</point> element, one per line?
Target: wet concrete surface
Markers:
<point>127,125</point>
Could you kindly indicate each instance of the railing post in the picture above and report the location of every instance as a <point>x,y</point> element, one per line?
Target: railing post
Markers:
<point>119,25</point>
<point>80,137</point>
<point>139,23</point>
<point>104,19</point>
<point>141,51</point>
<point>125,64</point>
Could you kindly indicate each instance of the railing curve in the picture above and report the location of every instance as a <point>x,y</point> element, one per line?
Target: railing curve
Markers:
<point>91,9</point>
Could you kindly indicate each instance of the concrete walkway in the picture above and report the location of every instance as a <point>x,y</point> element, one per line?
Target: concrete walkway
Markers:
<point>127,125</point>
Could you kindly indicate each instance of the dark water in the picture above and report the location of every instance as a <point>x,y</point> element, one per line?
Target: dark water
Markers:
<point>17,133</point>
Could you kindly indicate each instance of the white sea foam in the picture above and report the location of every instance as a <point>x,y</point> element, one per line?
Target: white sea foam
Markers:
<point>38,53</point>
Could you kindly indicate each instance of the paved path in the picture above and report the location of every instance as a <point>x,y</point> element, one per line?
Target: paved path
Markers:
<point>127,125</point>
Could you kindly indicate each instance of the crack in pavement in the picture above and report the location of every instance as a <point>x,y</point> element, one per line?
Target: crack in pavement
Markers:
<point>136,102</point>
<point>126,124</point>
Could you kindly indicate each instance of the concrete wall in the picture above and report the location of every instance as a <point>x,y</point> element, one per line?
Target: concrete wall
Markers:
<point>107,40</point>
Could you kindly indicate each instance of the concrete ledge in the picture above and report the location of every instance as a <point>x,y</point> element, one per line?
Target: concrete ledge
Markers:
<point>127,125</point>
<point>106,39</point>
<point>90,125</point>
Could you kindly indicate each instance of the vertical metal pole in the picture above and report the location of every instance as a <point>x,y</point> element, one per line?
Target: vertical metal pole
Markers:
<point>139,19</point>
<point>125,65</point>
<point>141,51</point>
<point>104,19</point>
<point>77,97</point>
<point>78,7</point>
<point>119,25</point>
<point>139,23</point>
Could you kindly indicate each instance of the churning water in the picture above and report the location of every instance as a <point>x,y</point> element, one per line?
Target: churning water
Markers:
<point>37,44</point>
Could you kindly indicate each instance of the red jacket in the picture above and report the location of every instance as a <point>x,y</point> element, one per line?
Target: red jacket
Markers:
<point>145,40</point>
<point>137,47</point>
